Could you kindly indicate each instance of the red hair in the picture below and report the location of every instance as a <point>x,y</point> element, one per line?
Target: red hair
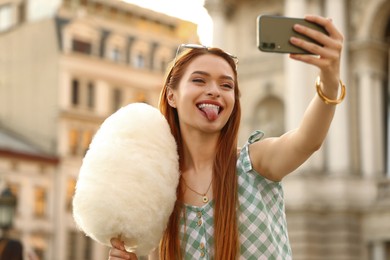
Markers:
<point>224,168</point>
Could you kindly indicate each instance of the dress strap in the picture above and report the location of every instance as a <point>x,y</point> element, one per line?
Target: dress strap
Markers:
<point>244,161</point>
<point>254,137</point>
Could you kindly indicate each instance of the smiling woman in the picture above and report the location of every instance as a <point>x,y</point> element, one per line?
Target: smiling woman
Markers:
<point>190,10</point>
<point>225,196</point>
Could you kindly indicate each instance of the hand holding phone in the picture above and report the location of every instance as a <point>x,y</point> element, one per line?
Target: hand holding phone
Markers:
<point>274,33</point>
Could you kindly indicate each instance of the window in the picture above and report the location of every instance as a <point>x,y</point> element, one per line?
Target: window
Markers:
<point>75,92</point>
<point>91,95</point>
<point>5,17</point>
<point>73,141</point>
<point>116,99</point>
<point>83,94</point>
<point>82,46</point>
<point>40,202</point>
<point>139,61</point>
<point>115,55</point>
<point>269,116</point>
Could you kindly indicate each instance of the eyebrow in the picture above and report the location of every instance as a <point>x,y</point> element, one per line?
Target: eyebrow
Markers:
<point>208,74</point>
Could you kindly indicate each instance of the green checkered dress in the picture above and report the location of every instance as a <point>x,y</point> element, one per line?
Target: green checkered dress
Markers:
<point>261,218</point>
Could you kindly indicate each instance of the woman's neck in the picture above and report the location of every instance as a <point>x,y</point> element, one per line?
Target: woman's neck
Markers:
<point>199,151</point>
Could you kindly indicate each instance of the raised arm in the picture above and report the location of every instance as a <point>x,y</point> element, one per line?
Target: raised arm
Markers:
<point>276,157</point>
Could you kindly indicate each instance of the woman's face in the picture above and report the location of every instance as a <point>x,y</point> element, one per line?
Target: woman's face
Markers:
<point>205,98</point>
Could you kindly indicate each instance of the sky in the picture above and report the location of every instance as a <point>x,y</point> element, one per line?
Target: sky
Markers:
<point>190,10</point>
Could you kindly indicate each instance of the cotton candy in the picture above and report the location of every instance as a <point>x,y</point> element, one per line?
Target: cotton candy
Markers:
<point>127,182</point>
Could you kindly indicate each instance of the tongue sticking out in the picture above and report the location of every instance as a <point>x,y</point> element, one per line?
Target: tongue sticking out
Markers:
<point>211,112</point>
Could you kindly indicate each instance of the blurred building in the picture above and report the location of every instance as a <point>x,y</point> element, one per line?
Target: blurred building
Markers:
<point>65,66</point>
<point>338,203</point>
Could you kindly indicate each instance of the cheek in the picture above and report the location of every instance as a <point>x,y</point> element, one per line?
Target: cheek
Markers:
<point>231,100</point>
<point>230,106</point>
<point>184,102</point>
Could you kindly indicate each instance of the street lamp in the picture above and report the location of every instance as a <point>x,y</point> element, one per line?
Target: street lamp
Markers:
<point>11,248</point>
<point>7,209</point>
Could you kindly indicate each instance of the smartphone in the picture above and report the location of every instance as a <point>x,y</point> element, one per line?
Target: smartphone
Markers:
<point>274,33</point>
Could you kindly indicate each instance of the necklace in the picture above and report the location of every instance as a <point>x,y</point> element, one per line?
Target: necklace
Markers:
<point>205,199</point>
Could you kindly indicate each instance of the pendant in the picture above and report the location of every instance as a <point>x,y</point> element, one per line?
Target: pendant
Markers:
<point>205,199</point>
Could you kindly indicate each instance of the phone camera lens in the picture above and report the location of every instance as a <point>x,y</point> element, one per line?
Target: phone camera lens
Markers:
<point>264,45</point>
<point>272,45</point>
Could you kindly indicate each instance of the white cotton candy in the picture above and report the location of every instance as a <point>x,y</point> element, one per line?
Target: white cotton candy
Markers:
<point>128,179</point>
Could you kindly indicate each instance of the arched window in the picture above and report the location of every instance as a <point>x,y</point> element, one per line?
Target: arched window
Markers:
<point>269,116</point>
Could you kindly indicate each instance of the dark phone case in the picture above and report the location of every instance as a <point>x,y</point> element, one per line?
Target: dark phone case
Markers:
<point>274,33</point>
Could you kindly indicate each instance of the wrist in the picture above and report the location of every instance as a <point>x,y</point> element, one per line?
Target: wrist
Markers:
<point>329,96</point>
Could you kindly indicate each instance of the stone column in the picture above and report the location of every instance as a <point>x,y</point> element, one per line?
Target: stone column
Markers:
<point>217,10</point>
<point>295,78</point>
<point>371,123</point>
<point>338,154</point>
<point>378,251</point>
<point>299,87</point>
<point>103,99</point>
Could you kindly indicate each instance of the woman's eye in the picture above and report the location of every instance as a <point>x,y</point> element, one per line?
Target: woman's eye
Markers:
<point>227,85</point>
<point>198,81</point>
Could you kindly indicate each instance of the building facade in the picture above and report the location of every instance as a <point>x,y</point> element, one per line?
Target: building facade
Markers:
<point>338,203</point>
<point>65,66</point>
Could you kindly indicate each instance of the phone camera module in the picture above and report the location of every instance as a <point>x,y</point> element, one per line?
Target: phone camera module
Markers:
<point>268,45</point>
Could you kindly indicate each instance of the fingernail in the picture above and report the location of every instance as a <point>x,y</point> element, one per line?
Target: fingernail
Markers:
<point>294,40</point>
<point>297,26</point>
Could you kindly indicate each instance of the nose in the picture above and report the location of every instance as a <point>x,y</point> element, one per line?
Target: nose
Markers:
<point>213,90</point>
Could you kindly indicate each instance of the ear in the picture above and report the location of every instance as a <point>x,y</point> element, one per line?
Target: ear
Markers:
<point>171,98</point>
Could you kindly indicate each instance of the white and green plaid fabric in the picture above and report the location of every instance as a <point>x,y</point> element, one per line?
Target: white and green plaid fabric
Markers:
<point>261,218</point>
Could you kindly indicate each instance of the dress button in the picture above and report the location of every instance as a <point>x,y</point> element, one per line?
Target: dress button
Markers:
<point>202,254</point>
<point>201,246</point>
<point>199,222</point>
<point>199,214</point>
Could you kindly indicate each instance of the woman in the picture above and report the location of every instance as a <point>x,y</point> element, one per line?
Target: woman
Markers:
<point>230,204</point>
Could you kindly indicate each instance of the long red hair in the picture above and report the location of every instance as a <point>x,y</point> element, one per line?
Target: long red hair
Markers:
<point>224,168</point>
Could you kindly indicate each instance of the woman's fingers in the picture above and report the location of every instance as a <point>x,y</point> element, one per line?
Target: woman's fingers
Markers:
<point>116,254</point>
<point>118,251</point>
<point>328,55</point>
<point>117,243</point>
<point>332,41</point>
<point>319,37</point>
<point>327,24</point>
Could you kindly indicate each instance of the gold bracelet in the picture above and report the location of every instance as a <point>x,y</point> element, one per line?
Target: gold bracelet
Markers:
<point>327,100</point>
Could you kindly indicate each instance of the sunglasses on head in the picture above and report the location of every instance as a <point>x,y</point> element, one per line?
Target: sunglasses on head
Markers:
<point>182,47</point>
